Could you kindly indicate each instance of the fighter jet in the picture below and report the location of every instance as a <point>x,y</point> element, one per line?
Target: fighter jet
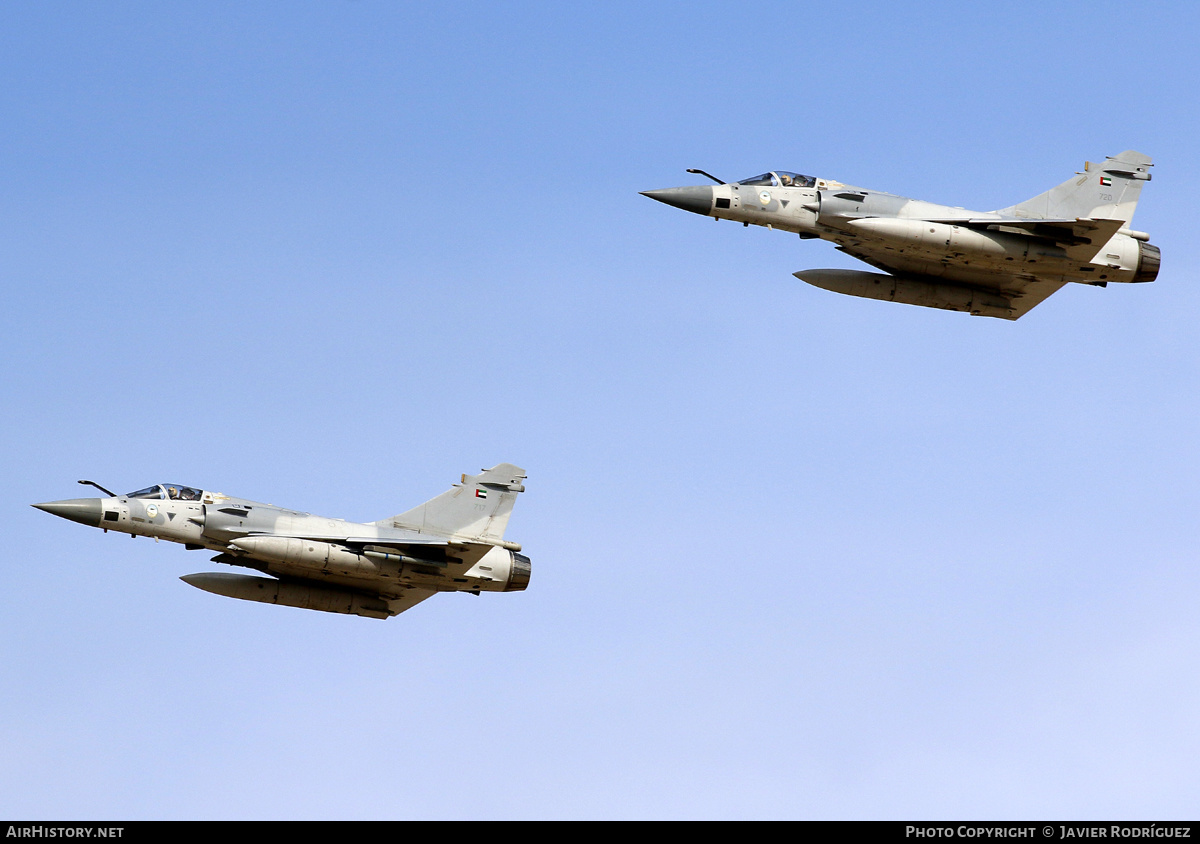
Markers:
<point>451,543</point>
<point>987,263</point>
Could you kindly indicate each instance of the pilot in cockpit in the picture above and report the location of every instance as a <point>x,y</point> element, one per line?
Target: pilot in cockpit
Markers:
<point>781,178</point>
<point>183,493</point>
<point>174,492</point>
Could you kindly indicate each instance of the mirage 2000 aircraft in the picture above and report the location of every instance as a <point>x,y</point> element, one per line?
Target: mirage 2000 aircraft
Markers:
<point>452,543</point>
<point>988,263</point>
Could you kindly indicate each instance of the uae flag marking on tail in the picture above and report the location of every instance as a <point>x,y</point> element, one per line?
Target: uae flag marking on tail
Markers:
<point>481,493</point>
<point>1105,181</point>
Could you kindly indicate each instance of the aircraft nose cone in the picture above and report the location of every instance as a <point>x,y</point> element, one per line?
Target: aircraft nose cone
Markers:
<point>696,198</point>
<point>86,511</point>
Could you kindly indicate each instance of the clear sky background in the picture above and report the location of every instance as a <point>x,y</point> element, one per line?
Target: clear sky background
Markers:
<point>795,554</point>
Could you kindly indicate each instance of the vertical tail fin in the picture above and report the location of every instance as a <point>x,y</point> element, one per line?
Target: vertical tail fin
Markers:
<point>1107,191</point>
<point>478,508</point>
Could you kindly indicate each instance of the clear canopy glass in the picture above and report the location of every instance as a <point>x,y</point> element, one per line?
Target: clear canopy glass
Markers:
<point>175,492</point>
<point>781,178</point>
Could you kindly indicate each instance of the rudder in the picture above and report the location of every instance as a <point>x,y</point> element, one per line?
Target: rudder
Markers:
<point>477,508</point>
<point>1107,191</point>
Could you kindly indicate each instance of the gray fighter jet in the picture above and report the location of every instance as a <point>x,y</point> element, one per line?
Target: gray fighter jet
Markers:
<point>451,543</point>
<point>988,263</point>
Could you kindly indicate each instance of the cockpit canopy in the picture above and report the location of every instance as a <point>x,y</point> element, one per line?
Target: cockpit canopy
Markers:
<point>781,179</point>
<point>174,492</point>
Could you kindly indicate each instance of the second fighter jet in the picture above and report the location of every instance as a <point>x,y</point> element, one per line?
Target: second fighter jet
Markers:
<point>987,263</point>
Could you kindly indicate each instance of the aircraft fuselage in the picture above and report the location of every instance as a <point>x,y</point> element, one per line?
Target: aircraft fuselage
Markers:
<point>902,235</point>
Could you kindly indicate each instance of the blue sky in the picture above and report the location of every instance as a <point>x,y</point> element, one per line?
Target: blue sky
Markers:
<point>796,555</point>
